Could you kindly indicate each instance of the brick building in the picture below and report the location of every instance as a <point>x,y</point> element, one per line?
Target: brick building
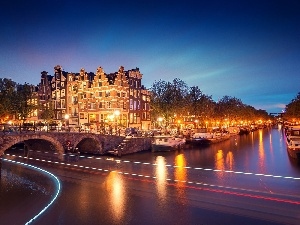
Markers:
<point>96,100</point>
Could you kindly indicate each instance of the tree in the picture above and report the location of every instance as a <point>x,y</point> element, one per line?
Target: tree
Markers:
<point>200,105</point>
<point>168,99</point>
<point>47,113</point>
<point>292,110</point>
<point>22,104</point>
<point>7,90</point>
<point>176,98</point>
<point>229,107</point>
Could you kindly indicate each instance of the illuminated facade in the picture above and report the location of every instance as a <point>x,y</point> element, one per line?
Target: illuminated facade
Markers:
<point>96,100</point>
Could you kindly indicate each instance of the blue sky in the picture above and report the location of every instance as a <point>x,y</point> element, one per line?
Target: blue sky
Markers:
<point>245,49</point>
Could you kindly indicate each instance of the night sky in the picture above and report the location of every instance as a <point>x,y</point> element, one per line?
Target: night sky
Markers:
<point>244,49</point>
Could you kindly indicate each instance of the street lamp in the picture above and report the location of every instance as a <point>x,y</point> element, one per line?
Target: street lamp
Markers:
<point>160,119</point>
<point>196,122</point>
<point>67,116</point>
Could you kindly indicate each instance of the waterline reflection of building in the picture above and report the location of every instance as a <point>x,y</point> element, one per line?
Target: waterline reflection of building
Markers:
<point>161,174</point>
<point>116,188</point>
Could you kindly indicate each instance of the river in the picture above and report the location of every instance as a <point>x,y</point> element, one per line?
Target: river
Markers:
<point>245,180</point>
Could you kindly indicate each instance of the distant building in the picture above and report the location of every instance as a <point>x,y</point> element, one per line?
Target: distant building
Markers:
<point>95,100</point>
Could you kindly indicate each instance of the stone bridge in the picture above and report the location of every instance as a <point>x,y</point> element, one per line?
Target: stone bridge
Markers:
<point>85,142</point>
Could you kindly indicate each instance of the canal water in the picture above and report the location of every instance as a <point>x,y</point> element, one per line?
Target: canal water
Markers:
<point>262,151</point>
<point>102,200</point>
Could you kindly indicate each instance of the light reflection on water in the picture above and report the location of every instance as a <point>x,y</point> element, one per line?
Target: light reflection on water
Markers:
<point>230,160</point>
<point>219,164</point>
<point>261,152</point>
<point>180,174</point>
<point>161,174</point>
<point>116,188</point>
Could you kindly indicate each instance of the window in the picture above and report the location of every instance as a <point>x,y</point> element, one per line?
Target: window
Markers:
<point>100,84</point>
<point>108,105</point>
<point>107,94</point>
<point>75,100</point>
<point>63,105</point>
<point>57,95</point>
<point>131,104</point>
<point>100,94</point>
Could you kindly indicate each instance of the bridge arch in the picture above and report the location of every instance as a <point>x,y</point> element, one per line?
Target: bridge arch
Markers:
<point>12,140</point>
<point>89,143</point>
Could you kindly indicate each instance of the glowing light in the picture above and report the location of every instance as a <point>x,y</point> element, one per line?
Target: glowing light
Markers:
<point>219,163</point>
<point>115,186</point>
<point>181,176</point>
<point>159,119</point>
<point>67,116</point>
<point>161,175</point>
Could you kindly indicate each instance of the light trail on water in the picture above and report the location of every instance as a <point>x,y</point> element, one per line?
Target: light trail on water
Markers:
<point>212,188</point>
<point>47,173</point>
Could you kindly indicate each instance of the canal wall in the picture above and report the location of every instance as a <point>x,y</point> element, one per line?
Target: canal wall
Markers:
<point>132,145</point>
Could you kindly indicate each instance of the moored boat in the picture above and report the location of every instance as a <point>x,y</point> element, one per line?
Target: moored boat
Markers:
<point>244,130</point>
<point>293,141</point>
<point>167,143</point>
<point>200,137</point>
<point>220,136</point>
<point>204,137</point>
<point>233,131</point>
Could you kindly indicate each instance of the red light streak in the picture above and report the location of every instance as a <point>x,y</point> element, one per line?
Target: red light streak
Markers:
<point>226,192</point>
